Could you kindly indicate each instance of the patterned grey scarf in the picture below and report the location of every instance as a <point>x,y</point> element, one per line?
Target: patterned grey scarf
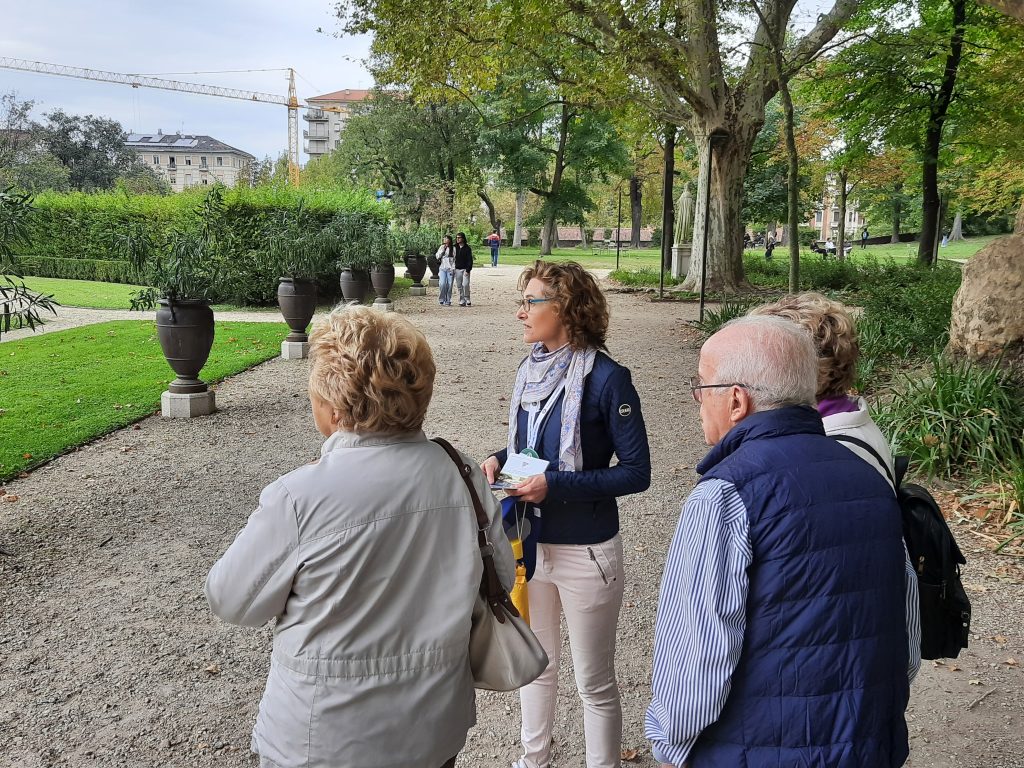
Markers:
<point>539,376</point>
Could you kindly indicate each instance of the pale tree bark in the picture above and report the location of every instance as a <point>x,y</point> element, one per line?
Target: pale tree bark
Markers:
<point>956,232</point>
<point>518,234</point>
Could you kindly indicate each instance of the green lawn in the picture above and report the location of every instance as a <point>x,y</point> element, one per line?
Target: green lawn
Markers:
<point>84,293</point>
<point>592,258</point>
<point>65,388</point>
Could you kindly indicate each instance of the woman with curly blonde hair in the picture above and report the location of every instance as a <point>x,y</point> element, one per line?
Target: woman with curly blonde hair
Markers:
<point>573,406</point>
<point>370,563</point>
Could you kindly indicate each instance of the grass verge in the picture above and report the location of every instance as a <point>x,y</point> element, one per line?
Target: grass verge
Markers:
<point>63,389</point>
<point>84,293</point>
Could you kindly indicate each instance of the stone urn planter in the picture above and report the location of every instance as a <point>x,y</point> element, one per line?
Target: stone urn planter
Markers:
<point>382,277</point>
<point>185,330</point>
<point>296,296</point>
<point>355,284</point>
<point>416,263</point>
<point>435,264</point>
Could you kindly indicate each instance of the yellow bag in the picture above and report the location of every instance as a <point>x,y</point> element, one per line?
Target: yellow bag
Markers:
<point>520,597</point>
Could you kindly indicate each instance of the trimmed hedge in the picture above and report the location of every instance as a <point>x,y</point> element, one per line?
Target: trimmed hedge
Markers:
<point>103,270</point>
<point>75,235</point>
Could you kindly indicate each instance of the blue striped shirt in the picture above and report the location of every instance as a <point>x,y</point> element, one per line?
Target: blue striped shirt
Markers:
<point>701,619</point>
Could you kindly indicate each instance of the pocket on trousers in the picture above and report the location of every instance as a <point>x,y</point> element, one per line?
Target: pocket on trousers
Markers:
<point>606,559</point>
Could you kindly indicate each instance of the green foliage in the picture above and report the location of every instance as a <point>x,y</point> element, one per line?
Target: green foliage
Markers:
<point>645,277</point>
<point>83,236</point>
<point>65,388</point>
<point>960,419</point>
<point>715,318</point>
<point>19,306</point>
<point>1015,511</point>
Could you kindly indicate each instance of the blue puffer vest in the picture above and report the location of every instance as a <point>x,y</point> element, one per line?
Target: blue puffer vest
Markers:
<point>822,679</point>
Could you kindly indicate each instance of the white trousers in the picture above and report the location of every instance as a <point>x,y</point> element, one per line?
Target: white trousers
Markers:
<point>584,582</point>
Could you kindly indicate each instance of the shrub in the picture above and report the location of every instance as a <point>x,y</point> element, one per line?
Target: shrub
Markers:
<point>962,418</point>
<point>645,277</point>
<point>728,310</point>
<point>103,270</point>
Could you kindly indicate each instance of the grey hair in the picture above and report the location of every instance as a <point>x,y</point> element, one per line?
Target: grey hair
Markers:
<point>776,358</point>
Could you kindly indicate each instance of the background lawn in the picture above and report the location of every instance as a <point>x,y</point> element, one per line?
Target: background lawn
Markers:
<point>65,388</point>
<point>84,293</point>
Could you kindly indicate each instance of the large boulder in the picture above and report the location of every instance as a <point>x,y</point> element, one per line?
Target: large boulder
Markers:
<point>988,310</point>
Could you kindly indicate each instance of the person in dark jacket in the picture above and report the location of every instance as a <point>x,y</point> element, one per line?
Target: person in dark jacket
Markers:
<point>781,634</point>
<point>574,407</point>
<point>463,266</point>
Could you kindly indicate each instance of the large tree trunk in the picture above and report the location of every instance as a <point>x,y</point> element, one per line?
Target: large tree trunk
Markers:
<point>668,214</point>
<point>725,227</point>
<point>897,214</point>
<point>933,137</point>
<point>635,210</point>
<point>956,232</point>
<point>548,233</point>
<point>843,194</point>
<point>518,234</point>
<point>1018,225</point>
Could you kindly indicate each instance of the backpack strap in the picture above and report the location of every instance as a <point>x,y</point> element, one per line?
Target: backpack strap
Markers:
<point>902,465</point>
<point>867,447</point>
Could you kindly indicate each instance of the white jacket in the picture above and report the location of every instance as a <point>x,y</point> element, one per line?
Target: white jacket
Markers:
<point>369,560</point>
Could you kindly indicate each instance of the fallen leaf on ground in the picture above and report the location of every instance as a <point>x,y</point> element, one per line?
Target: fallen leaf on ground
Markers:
<point>954,668</point>
<point>26,455</point>
<point>10,497</point>
<point>213,669</point>
<point>631,755</point>
<point>1011,662</point>
<point>974,682</point>
<point>999,639</point>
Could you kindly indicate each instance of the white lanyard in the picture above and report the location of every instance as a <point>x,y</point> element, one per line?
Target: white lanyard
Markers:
<point>537,416</point>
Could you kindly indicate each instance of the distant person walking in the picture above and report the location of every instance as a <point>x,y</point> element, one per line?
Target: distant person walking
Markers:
<point>769,247</point>
<point>864,238</point>
<point>494,240</point>
<point>446,271</point>
<point>463,266</point>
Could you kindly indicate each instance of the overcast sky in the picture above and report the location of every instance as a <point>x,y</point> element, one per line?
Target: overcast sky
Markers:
<point>147,37</point>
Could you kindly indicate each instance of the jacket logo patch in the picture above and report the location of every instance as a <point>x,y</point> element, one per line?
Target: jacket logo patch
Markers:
<point>625,410</point>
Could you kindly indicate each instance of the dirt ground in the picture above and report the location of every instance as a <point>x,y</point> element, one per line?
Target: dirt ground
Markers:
<point>109,655</point>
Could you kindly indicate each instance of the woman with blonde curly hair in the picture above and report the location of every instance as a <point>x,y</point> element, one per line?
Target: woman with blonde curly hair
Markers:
<point>573,406</point>
<point>369,561</point>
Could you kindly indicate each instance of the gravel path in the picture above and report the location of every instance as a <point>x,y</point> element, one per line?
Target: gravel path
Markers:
<point>109,655</point>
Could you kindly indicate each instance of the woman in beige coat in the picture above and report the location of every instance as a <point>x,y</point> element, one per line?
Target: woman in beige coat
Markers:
<point>369,561</point>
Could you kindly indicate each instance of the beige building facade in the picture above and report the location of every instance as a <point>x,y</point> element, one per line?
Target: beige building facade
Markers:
<point>185,161</point>
<point>326,118</point>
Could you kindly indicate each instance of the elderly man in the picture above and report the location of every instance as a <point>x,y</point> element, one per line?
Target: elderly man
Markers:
<point>781,636</point>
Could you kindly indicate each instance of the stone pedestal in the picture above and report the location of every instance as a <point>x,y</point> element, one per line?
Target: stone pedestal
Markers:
<point>294,350</point>
<point>434,282</point>
<point>174,405</point>
<point>383,305</point>
<point>681,259</point>
<point>418,290</point>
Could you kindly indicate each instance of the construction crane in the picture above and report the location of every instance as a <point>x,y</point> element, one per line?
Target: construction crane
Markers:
<point>144,81</point>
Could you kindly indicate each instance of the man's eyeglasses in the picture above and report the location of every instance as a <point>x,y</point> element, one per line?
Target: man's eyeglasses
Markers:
<point>696,387</point>
<point>527,304</point>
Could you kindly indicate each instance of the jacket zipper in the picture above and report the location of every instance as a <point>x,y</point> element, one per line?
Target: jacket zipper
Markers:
<point>599,568</point>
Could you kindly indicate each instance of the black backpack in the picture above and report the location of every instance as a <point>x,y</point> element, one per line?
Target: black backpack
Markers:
<point>945,608</point>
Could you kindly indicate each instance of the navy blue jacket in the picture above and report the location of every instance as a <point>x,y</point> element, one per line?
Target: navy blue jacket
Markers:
<point>580,507</point>
<point>822,678</point>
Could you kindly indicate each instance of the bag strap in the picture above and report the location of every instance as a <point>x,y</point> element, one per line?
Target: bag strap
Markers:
<point>490,585</point>
<point>867,447</point>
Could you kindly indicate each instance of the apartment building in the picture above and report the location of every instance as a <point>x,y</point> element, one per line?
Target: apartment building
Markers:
<point>188,161</point>
<point>326,118</point>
